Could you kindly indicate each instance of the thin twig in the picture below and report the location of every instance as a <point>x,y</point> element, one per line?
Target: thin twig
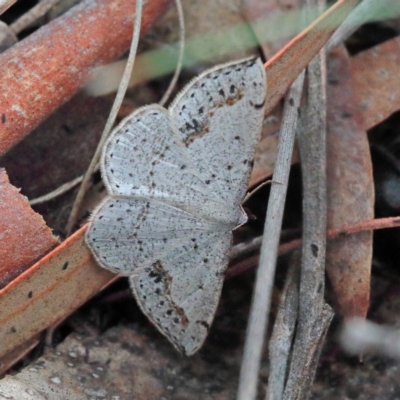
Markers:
<point>312,308</point>
<point>280,343</point>
<point>240,250</point>
<point>269,251</point>
<point>178,68</point>
<point>111,118</point>
<point>58,192</point>
<point>5,4</point>
<point>241,264</point>
<point>370,225</point>
<point>32,15</point>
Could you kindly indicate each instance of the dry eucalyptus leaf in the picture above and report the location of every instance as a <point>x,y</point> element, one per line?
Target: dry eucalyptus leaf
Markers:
<point>377,80</point>
<point>50,290</point>
<point>25,238</point>
<point>350,190</point>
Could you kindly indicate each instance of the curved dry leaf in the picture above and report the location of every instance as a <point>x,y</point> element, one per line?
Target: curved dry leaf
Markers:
<point>25,237</point>
<point>377,86</point>
<point>350,191</point>
<point>49,291</point>
<point>49,66</point>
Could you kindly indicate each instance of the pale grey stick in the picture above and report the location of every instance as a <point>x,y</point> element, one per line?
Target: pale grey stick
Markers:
<point>280,343</point>
<point>266,271</point>
<point>312,146</point>
<point>57,192</point>
<point>314,314</point>
<point>32,15</point>
<point>305,361</point>
<point>178,68</point>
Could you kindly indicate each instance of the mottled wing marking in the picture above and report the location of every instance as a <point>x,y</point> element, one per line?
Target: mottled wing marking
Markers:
<point>180,293</point>
<point>145,157</point>
<point>219,115</point>
<point>130,233</point>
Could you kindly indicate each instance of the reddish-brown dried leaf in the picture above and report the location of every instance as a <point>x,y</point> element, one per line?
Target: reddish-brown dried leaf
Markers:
<point>43,71</point>
<point>25,238</point>
<point>49,291</point>
<point>377,81</point>
<point>350,191</point>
